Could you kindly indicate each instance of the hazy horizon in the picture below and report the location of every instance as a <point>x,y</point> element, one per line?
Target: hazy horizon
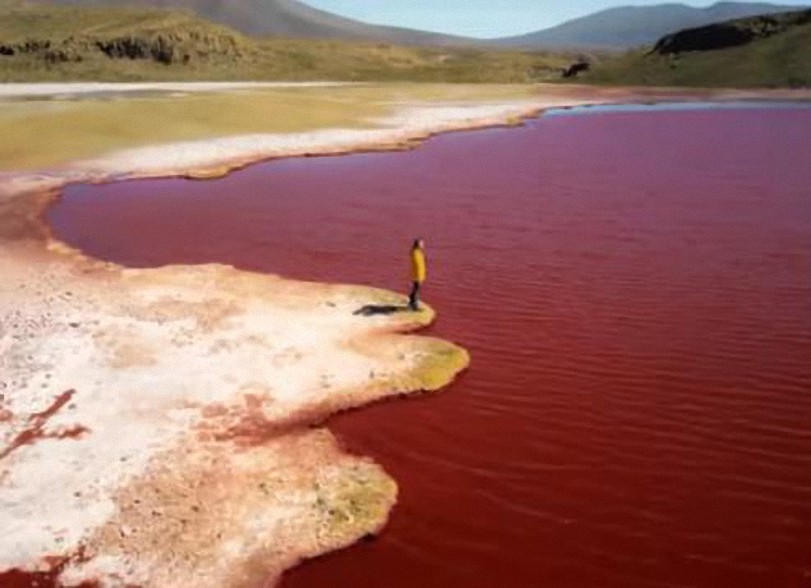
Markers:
<point>483,18</point>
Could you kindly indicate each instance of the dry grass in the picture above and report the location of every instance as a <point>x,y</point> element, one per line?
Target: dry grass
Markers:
<point>41,134</point>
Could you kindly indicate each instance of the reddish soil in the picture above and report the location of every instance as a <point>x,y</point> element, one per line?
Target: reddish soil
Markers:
<point>43,579</point>
<point>36,427</point>
<point>32,433</point>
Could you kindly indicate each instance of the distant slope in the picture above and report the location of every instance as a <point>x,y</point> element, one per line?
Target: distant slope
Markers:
<point>50,36</point>
<point>282,18</point>
<point>626,27</point>
<point>731,33</point>
<point>768,50</point>
<point>39,43</point>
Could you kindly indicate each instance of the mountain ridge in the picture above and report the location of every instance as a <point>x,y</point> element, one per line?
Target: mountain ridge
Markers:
<point>281,18</point>
<point>626,27</point>
<point>617,28</point>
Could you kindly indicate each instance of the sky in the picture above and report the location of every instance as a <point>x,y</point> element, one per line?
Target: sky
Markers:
<point>480,18</point>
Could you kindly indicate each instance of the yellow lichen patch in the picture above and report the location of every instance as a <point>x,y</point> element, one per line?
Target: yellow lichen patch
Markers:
<point>407,362</point>
<point>437,364</point>
<point>354,500</point>
<point>423,364</point>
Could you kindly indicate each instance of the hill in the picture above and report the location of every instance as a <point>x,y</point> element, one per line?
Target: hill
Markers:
<point>769,50</point>
<point>614,29</point>
<point>281,18</point>
<point>626,27</point>
<point>39,43</point>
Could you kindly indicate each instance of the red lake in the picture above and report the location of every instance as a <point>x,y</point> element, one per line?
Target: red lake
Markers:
<point>634,286</point>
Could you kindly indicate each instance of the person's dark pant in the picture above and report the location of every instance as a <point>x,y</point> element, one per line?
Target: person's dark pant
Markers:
<point>414,296</point>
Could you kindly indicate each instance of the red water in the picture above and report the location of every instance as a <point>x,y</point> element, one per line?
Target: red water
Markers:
<point>635,290</point>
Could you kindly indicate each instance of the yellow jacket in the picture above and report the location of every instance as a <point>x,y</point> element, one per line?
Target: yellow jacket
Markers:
<point>418,271</point>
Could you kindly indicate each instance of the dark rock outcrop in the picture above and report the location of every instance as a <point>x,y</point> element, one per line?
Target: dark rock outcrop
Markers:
<point>33,46</point>
<point>54,56</point>
<point>731,33</point>
<point>159,49</point>
<point>704,39</point>
<point>165,48</point>
<point>171,48</point>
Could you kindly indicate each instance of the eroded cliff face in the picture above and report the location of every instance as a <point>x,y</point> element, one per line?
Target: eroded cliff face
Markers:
<point>157,426</point>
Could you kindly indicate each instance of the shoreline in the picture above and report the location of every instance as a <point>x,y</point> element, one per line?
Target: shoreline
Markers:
<point>129,388</point>
<point>189,314</point>
<point>405,128</point>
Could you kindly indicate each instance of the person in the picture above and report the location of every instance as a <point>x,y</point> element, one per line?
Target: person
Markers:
<point>418,273</point>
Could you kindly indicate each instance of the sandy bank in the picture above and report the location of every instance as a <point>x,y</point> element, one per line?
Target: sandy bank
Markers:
<point>155,421</point>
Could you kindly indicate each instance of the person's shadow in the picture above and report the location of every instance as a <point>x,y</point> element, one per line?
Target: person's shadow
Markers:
<point>380,309</point>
